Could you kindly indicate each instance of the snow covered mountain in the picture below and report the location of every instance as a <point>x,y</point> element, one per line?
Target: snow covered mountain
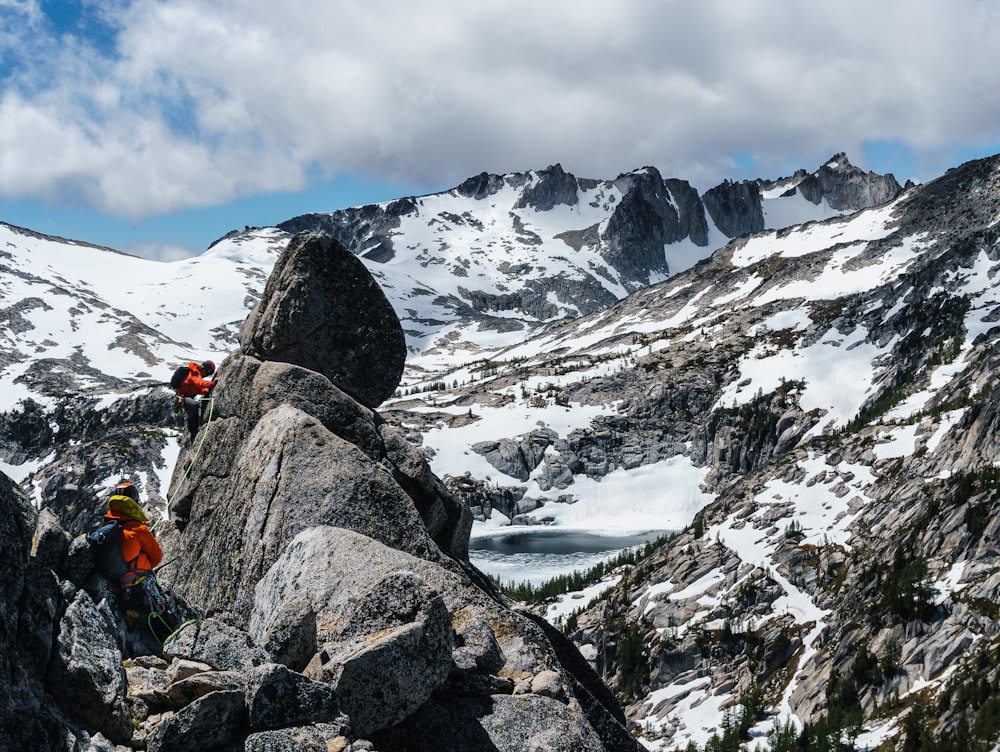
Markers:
<point>91,336</point>
<point>502,257</point>
<point>468,271</point>
<point>814,409</point>
<point>809,405</point>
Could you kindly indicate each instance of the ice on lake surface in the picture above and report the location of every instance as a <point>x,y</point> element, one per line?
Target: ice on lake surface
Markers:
<point>538,554</point>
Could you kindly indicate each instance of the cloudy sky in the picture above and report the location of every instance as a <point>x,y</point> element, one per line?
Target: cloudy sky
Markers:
<point>156,126</point>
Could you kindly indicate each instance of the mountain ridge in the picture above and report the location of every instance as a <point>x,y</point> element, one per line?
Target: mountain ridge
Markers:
<point>818,399</point>
<point>834,380</point>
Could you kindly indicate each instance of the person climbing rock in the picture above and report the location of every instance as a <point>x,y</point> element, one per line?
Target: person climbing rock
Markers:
<point>127,552</point>
<point>137,545</point>
<point>191,384</point>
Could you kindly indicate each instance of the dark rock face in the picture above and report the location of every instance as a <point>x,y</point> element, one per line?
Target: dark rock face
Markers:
<point>846,187</point>
<point>207,723</point>
<point>273,688</point>
<point>21,694</point>
<point>373,221</point>
<point>585,295</point>
<point>321,299</point>
<point>690,210</point>
<point>61,676</point>
<point>554,187</point>
<point>87,666</point>
<point>735,207</point>
<point>645,221</point>
<point>531,722</point>
<point>480,186</point>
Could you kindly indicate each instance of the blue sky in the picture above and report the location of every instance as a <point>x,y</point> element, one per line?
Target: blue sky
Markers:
<point>156,126</point>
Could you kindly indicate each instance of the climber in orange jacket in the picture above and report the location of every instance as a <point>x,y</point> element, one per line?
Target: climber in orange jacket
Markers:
<point>130,562</point>
<point>139,548</point>
<point>192,389</point>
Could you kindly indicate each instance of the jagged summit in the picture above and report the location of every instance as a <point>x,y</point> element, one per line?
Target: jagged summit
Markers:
<point>511,254</point>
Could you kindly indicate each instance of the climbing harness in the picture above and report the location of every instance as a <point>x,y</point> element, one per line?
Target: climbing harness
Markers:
<point>164,621</point>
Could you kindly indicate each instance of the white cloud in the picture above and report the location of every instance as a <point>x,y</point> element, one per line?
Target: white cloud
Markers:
<point>200,102</point>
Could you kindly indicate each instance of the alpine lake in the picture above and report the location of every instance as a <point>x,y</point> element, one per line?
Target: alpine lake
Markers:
<point>536,554</point>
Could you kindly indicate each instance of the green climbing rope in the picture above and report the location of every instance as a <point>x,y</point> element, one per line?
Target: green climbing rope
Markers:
<point>155,616</point>
<point>194,457</point>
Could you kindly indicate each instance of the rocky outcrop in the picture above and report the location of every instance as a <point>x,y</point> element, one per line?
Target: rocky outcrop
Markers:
<point>480,186</point>
<point>846,187</point>
<point>322,310</point>
<point>553,187</point>
<point>735,207</point>
<point>312,523</point>
<point>376,630</point>
<point>517,458</point>
<point>648,218</point>
<point>482,497</point>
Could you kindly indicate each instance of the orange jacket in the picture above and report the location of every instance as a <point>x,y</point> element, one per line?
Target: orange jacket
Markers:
<point>138,546</point>
<point>195,383</point>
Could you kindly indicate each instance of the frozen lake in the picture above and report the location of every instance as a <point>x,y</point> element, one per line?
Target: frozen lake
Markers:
<point>537,554</point>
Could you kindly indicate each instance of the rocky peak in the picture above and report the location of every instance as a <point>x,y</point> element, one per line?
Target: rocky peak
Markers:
<point>551,188</point>
<point>735,207</point>
<point>322,310</point>
<point>480,186</point>
<point>846,187</point>
<point>652,214</point>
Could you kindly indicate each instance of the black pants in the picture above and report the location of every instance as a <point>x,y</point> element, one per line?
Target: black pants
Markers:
<point>192,409</point>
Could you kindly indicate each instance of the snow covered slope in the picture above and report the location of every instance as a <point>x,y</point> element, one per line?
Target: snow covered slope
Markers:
<point>817,405</point>
<point>109,320</point>
<point>467,275</point>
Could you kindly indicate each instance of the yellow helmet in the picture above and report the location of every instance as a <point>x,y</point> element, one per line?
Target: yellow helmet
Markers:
<point>125,500</point>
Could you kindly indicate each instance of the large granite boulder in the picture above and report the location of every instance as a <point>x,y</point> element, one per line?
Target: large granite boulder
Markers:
<point>326,565</point>
<point>308,521</point>
<point>382,636</point>
<point>498,723</point>
<point>86,674</point>
<point>322,310</point>
<point>290,451</point>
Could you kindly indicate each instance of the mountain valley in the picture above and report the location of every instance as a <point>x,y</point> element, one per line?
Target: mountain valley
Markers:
<point>794,375</point>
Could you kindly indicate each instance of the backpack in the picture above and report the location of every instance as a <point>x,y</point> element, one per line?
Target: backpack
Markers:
<point>105,546</point>
<point>178,378</point>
